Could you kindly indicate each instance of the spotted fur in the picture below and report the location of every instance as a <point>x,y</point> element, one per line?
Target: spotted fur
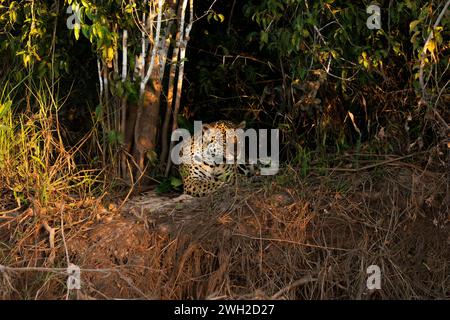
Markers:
<point>207,176</point>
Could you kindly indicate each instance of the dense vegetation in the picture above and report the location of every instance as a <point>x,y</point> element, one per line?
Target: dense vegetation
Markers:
<point>313,70</point>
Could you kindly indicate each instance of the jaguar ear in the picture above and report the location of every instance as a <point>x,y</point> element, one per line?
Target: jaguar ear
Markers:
<point>206,126</point>
<point>241,125</point>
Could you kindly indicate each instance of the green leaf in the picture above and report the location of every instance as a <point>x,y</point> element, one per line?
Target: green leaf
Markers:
<point>120,89</point>
<point>175,182</point>
<point>12,16</point>
<point>89,14</point>
<point>413,25</point>
<point>210,15</point>
<point>99,112</point>
<point>264,36</point>
<point>5,107</point>
<point>163,187</point>
<point>86,30</point>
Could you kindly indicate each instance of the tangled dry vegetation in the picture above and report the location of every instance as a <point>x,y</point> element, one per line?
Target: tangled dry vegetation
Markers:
<point>287,237</point>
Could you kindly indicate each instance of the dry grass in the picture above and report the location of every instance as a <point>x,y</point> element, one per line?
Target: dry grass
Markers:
<point>274,238</point>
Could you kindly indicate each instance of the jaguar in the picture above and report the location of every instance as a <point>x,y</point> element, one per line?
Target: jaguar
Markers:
<point>212,164</point>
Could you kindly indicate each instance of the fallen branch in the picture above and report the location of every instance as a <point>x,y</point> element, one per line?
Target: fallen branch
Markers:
<point>289,241</point>
<point>306,279</point>
<point>51,239</point>
<point>371,165</point>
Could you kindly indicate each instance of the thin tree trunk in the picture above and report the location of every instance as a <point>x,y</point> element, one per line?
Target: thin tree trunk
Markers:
<point>123,107</point>
<point>154,49</point>
<point>170,89</point>
<point>147,121</point>
<point>183,44</point>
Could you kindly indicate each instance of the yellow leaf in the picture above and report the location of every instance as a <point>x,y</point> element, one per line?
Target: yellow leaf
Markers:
<point>430,46</point>
<point>37,56</point>
<point>13,16</point>
<point>26,59</point>
<point>76,32</point>
<point>110,54</point>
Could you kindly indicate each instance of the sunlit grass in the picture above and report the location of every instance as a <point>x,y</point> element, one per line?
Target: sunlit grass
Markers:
<point>35,164</point>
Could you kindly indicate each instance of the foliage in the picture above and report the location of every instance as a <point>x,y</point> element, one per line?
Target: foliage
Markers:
<point>252,60</point>
<point>372,76</point>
